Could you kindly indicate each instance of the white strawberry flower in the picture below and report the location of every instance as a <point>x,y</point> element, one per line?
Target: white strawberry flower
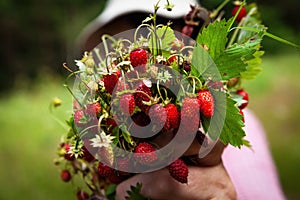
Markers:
<point>102,140</point>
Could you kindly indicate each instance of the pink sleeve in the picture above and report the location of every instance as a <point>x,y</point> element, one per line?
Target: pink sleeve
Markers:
<point>252,170</point>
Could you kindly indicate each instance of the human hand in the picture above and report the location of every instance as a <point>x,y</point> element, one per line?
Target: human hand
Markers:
<point>203,183</point>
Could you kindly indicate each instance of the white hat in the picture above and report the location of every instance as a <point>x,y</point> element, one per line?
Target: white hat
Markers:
<point>116,8</point>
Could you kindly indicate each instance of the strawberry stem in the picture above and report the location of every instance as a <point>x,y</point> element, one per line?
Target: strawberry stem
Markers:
<point>218,9</point>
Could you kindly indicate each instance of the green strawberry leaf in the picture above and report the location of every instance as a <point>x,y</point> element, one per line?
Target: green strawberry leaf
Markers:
<point>234,59</point>
<point>214,38</point>
<point>110,192</point>
<point>202,64</point>
<point>211,59</point>
<point>251,20</point>
<point>208,47</point>
<point>126,134</point>
<point>162,40</point>
<point>135,193</point>
<point>226,124</point>
<point>253,68</point>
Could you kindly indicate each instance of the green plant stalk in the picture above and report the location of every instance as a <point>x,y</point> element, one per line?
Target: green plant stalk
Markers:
<point>218,9</point>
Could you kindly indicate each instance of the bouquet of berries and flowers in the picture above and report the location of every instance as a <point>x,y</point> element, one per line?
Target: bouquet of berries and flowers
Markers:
<point>140,101</point>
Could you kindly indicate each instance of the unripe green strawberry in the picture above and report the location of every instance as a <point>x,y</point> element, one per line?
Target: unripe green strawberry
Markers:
<point>127,104</point>
<point>145,153</point>
<point>65,175</point>
<point>206,102</point>
<point>179,171</point>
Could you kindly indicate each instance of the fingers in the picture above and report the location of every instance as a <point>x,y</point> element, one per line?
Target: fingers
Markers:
<point>203,183</point>
<point>212,158</point>
<point>155,185</point>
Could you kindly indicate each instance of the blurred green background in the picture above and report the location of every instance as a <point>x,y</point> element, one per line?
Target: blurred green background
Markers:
<point>38,36</point>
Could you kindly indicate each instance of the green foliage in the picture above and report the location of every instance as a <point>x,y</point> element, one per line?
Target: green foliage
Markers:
<point>226,123</point>
<point>214,38</point>
<point>110,192</point>
<point>135,193</point>
<point>234,60</point>
<point>165,35</point>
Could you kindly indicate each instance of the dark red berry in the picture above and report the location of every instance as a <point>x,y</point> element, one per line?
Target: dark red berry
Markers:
<point>139,58</point>
<point>179,171</point>
<point>68,156</point>
<point>65,175</point>
<point>82,195</point>
<point>241,14</point>
<point>242,113</point>
<point>245,97</point>
<point>110,81</point>
<point>93,109</point>
<point>206,102</point>
<point>145,153</point>
<point>104,170</point>
<point>127,104</point>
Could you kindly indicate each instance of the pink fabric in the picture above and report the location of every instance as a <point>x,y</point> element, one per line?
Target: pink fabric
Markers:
<point>252,170</point>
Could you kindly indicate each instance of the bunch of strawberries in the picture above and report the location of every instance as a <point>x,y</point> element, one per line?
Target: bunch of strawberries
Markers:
<point>125,103</point>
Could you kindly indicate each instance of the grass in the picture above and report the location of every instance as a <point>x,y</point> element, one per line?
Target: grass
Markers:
<point>30,136</point>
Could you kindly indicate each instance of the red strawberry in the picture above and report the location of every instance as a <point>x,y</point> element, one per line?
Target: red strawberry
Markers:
<point>138,57</point>
<point>110,124</point>
<point>242,113</point>
<point>93,109</point>
<point>110,81</point>
<point>143,94</point>
<point>172,121</point>
<point>68,156</point>
<point>82,195</point>
<point>104,170</point>
<point>116,178</point>
<point>122,165</point>
<point>140,120</point>
<point>241,14</point>
<point>245,96</point>
<point>145,153</point>
<point>179,171</point>
<point>172,59</point>
<point>65,175</point>
<point>127,104</point>
<point>87,155</point>
<point>158,116</point>
<point>190,116</point>
<point>186,66</point>
<point>206,102</point>
<point>79,118</point>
